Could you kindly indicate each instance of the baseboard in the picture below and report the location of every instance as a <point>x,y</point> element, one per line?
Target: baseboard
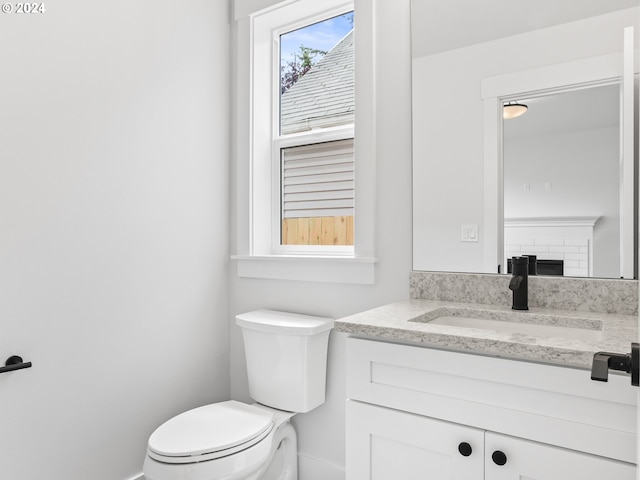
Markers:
<point>311,468</point>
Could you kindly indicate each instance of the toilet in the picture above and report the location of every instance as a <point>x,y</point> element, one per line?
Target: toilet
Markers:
<point>286,357</point>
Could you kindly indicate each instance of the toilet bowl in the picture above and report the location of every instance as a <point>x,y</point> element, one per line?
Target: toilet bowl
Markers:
<point>228,440</point>
<point>236,441</point>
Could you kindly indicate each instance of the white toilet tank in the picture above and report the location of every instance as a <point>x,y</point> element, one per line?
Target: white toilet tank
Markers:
<point>286,358</point>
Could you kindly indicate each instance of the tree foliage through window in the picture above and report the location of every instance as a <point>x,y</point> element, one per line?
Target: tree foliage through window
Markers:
<point>302,62</point>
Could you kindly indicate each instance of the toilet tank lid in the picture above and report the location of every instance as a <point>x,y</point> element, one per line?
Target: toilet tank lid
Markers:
<point>284,322</point>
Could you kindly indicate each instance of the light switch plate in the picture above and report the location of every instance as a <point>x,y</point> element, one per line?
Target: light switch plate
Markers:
<point>469,232</point>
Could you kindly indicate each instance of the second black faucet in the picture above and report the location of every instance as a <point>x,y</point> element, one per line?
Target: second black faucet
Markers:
<point>519,283</point>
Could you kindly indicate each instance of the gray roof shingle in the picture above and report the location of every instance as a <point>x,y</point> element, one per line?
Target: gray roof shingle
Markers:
<point>324,96</point>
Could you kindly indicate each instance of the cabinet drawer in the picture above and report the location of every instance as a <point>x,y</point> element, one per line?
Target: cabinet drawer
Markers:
<point>548,404</point>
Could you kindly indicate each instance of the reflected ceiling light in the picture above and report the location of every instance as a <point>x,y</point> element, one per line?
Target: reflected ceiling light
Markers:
<point>513,110</point>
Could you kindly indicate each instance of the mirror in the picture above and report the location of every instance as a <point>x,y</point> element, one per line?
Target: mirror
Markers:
<point>561,178</point>
<point>482,186</point>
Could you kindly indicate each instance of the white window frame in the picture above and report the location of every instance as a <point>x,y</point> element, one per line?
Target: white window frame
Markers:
<point>258,181</point>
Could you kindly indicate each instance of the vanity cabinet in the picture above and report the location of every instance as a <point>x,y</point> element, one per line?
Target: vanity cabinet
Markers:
<point>386,444</point>
<point>416,413</point>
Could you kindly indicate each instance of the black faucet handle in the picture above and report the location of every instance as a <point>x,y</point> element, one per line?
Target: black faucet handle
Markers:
<point>600,367</point>
<point>515,282</point>
<point>605,361</point>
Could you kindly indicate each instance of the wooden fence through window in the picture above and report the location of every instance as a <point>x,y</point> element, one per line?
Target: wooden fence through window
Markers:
<point>318,231</point>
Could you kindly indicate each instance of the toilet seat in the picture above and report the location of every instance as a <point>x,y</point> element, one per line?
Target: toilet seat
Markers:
<point>210,432</point>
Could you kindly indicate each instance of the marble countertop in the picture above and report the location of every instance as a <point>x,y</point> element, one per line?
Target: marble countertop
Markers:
<point>393,323</point>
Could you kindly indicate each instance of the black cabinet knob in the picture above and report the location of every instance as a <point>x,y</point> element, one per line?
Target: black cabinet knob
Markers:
<point>465,449</point>
<point>499,458</point>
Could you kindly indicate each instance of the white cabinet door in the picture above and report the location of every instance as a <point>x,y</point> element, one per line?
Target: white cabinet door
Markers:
<point>526,460</point>
<point>385,444</point>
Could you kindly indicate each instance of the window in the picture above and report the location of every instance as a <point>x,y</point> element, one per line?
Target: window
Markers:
<point>315,94</point>
<point>296,149</point>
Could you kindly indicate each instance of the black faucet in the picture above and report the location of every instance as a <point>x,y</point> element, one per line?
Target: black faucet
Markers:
<point>519,283</point>
<point>533,264</point>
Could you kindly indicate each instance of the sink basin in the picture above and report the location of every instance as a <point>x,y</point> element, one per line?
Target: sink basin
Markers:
<point>526,323</point>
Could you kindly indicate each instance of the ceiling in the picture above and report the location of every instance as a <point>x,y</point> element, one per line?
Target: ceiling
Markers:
<point>588,108</point>
<point>441,25</point>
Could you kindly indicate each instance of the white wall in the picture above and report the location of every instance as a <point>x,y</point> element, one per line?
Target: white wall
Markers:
<point>113,220</point>
<point>582,168</point>
<point>448,162</point>
<point>321,432</point>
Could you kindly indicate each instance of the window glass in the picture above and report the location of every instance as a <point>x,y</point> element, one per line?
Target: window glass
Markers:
<point>317,93</point>
<point>316,75</point>
<point>318,194</point>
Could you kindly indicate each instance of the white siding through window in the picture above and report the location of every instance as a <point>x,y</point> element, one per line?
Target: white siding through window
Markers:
<point>318,180</point>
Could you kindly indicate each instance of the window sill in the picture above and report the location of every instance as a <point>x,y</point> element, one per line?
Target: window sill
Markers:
<point>329,269</point>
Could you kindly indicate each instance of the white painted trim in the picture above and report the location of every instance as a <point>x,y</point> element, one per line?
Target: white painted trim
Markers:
<point>365,127</point>
<point>326,269</point>
<point>627,161</point>
<point>137,477</point>
<point>312,468</point>
<point>552,222</point>
<point>493,174</point>
<point>242,165</point>
<point>321,135</point>
<point>554,77</point>
<point>244,8</point>
<point>637,132</point>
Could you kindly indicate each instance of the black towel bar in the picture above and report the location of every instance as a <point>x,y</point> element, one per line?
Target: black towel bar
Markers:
<point>14,363</point>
